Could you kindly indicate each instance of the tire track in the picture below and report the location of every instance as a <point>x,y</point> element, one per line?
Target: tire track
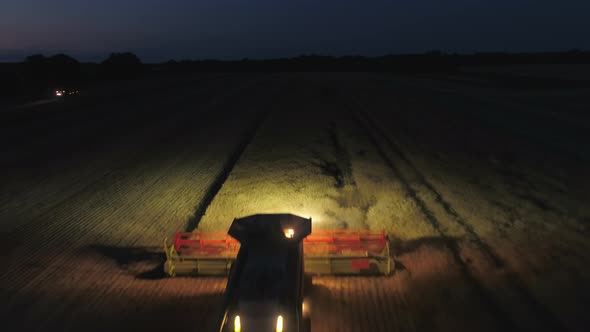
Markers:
<point>34,196</point>
<point>226,170</point>
<point>473,236</point>
<point>112,280</point>
<point>139,149</point>
<point>516,284</point>
<point>370,126</point>
<point>152,121</point>
<point>80,229</point>
<point>501,317</point>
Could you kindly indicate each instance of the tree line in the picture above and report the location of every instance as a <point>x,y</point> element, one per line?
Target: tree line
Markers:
<point>37,74</point>
<point>429,62</point>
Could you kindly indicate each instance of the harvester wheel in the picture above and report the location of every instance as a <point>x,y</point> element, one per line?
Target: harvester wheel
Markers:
<point>307,324</point>
<point>170,270</point>
<point>307,283</point>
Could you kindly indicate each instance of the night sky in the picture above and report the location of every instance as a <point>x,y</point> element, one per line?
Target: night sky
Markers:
<point>159,30</point>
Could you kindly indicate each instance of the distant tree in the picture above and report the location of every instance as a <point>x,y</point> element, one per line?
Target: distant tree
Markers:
<point>62,60</point>
<point>35,58</point>
<point>10,84</point>
<point>42,73</point>
<point>36,70</point>
<point>64,70</point>
<point>434,53</point>
<point>122,66</point>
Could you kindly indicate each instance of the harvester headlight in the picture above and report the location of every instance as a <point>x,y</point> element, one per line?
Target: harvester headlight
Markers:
<point>289,233</point>
<point>305,308</point>
<point>280,324</point>
<point>237,324</point>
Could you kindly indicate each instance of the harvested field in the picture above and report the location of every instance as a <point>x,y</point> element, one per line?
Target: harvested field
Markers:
<point>487,217</point>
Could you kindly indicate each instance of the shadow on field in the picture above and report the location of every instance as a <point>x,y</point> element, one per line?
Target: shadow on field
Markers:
<point>433,303</point>
<point>427,291</point>
<point>125,257</point>
<point>196,312</point>
<point>167,311</point>
<point>399,247</point>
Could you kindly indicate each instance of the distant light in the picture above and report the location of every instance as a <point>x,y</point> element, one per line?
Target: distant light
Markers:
<point>58,93</point>
<point>237,325</point>
<point>289,233</point>
<point>280,324</point>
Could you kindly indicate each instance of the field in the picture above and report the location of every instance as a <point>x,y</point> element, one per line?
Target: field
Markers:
<point>481,189</point>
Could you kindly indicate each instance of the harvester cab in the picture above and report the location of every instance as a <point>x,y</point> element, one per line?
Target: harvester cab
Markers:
<point>265,286</point>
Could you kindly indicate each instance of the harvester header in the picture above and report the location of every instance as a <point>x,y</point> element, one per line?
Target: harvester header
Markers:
<point>325,251</point>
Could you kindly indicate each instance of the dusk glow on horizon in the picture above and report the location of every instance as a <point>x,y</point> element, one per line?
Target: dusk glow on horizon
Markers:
<point>159,30</point>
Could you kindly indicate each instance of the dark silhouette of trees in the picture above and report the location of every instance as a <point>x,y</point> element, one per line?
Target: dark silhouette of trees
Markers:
<point>36,72</point>
<point>122,66</point>
<point>10,83</point>
<point>434,61</point>
<point>64,70</point>
<point>41,73</point>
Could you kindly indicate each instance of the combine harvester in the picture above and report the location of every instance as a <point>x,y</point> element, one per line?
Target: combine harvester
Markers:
<point>266,257</point>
